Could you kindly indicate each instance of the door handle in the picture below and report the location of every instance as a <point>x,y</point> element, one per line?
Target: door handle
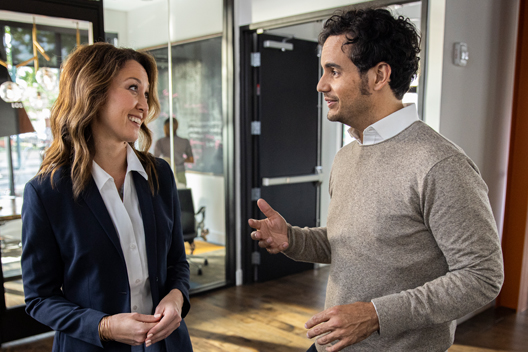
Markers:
<point>274,181</point>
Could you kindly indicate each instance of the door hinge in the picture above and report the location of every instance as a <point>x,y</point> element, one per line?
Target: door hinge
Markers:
<point>255,258</point>
<point>255,128</point>
<point>255,59</point>
<point>255,194</point>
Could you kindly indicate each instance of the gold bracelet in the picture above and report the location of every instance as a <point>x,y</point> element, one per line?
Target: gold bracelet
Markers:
<point>103,329</point>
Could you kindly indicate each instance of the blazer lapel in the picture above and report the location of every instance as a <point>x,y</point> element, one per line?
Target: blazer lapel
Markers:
<point>145,200</point>
<point>95,202</point>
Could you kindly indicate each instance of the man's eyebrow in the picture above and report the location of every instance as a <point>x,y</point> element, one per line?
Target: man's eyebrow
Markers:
<point>332,65</point>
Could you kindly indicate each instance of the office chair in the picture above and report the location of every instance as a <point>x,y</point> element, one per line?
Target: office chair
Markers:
<point>191,227</point>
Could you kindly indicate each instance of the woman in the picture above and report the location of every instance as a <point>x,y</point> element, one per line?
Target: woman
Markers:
<point>182,150</point>
<point>103,257</point>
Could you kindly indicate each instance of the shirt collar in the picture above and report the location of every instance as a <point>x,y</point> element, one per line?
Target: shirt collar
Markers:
<point>134,164</point>
<point>388,126</point>
<point>100,176</point>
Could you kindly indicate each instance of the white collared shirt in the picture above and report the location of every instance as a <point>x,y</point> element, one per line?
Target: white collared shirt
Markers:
<point>388,126</point>
<point>126,216</point>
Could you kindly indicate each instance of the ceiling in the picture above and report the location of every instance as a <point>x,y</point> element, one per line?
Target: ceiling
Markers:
<point>127,5</point>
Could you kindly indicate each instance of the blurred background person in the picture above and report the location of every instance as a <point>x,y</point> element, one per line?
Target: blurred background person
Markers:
<point>182,150</point>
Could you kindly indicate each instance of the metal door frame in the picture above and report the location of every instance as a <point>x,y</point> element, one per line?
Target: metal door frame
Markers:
<point>249,107</point>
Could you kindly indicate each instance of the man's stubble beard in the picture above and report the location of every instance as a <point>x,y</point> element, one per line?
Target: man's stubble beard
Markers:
<point>358,113</point>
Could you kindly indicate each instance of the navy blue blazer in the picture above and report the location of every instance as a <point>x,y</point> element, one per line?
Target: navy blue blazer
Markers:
<point>73,268</point>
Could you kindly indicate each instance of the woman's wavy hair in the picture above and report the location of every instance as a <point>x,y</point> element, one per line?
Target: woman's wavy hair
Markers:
<point>378,37</point>
<point>85,79</point>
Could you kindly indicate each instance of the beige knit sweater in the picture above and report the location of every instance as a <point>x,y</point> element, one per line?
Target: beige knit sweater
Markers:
<point>410,228</point>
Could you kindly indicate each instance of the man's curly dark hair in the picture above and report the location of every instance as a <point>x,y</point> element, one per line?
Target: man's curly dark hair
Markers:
<point>378,37</point>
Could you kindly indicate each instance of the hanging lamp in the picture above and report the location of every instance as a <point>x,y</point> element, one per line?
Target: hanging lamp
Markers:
<point>37,48</point>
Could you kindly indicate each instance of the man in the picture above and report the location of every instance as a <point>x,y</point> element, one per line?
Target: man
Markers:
<point>182,151</point>
<point>411,238</point>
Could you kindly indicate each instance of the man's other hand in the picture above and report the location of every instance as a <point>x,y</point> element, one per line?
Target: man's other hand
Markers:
<point>272,232</point>
<point>346,324</point>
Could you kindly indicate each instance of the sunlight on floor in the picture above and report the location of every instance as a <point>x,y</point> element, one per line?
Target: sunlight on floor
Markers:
<point>460,348</point>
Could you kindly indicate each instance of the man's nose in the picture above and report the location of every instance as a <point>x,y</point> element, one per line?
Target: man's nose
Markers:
<point>322,86</point>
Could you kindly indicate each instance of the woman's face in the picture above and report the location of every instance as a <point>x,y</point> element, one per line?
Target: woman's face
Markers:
<point>126,106</point>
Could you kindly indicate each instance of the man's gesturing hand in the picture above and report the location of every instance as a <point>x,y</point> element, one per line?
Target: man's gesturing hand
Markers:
<point>348,324</point>
<point>272,232</point>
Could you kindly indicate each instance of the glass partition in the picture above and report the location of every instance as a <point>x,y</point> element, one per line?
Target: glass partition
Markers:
<point>36,82</point>
<point>197,103</point>
<point>21,154</point>
<point>38,94</point>
<point>197,107</point>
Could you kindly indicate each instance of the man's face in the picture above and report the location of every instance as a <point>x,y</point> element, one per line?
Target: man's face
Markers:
<point>346,92</point>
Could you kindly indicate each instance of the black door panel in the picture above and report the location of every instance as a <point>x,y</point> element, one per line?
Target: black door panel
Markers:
<point>286,102</point>
<point>288,108</point>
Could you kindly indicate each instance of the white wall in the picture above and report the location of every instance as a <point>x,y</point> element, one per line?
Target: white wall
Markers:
<point>435,62</point>
<point>148,25</point>
<point>306,31</point>
<point>208,191</point>
<point>476,103</point>
<point>117,22</point>
<point>253,11</point>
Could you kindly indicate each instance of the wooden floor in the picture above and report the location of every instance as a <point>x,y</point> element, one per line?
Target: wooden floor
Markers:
<point>270,317</point>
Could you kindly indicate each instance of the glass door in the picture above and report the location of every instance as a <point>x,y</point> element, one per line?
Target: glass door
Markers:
<point>28,88</point>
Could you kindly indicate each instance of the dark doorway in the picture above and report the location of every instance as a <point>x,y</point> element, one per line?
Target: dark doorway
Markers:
<point>282,125</point>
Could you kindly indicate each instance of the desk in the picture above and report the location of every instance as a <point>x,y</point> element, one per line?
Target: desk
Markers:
<point>10,208</point>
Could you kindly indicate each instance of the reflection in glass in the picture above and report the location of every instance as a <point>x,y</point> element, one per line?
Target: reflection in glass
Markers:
<point>38,101</point>
<point>197,105</point>
<point>48,77</point>
<point>38,91</point>
<point>10,92</point>
<point>197,99</point>
<point>11,251</point>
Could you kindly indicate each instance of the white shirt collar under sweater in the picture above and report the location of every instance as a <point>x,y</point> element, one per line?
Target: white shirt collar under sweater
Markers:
<point>388,126</point>
<point>127,220</point>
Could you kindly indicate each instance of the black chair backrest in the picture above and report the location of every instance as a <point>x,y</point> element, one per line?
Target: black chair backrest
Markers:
<point>188,220</point>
